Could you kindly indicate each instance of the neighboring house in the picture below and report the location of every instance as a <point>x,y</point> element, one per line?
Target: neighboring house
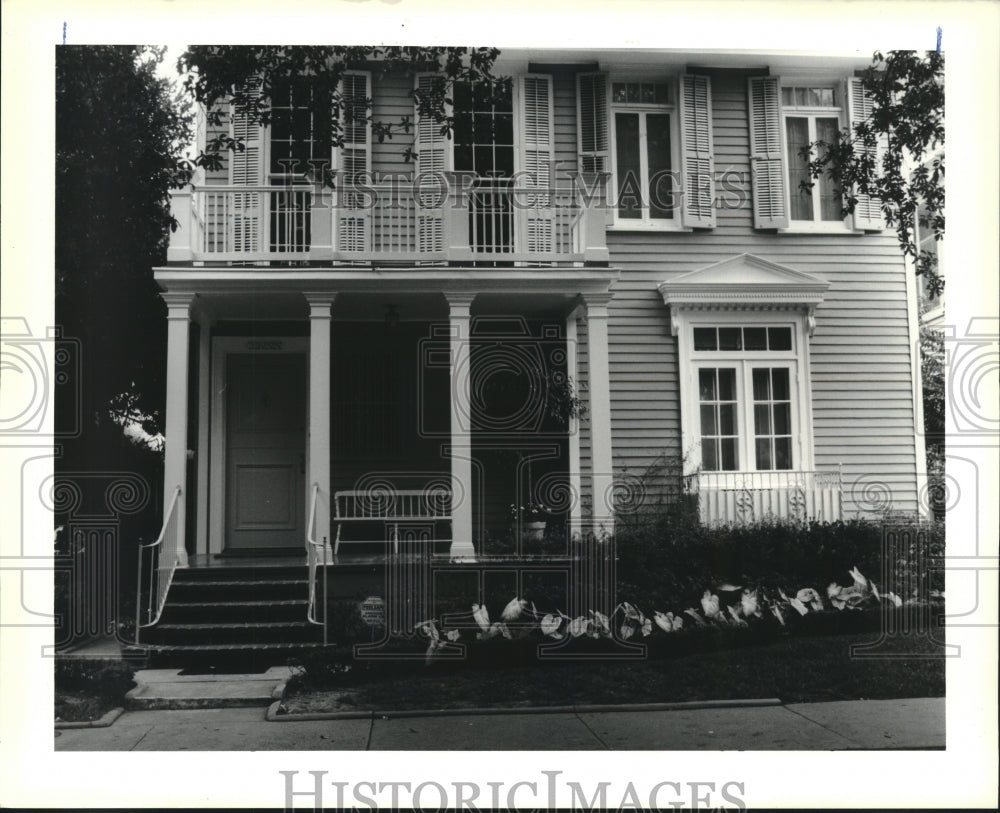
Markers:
<point>399,335</point>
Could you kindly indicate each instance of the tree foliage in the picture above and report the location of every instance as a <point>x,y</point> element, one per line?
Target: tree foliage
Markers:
<point>897,153</point>
<point>120,134</point>
<point>218,73</point>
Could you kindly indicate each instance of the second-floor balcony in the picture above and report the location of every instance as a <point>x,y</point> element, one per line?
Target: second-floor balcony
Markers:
<point>448,220</point>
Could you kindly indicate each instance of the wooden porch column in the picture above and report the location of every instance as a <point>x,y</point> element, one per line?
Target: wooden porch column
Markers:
<point>318,442</point>
<point>602,515</point>
<point>175,423</point>
<point>575,479</point>
<point>204,424</point>
<point>460,305</point>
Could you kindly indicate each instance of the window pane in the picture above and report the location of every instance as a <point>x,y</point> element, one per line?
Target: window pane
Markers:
<point>801,97</point>
<point>627,163</point>
<point>704,338</point>
<point>797,137</point>
<point>663,95</point>
<point>754,338</point>
<point>764,454</point>
<point>782,419</point>
<point>661,204</point>
<point>727,419</point>
<point>632,92</point>
<point>779,338</point>
<point>727,384</point>
<point>762,419</point>
<point>729,338</point>
<point>706,384</point>
<point>779,377</point>
<point>787,97</point>
<point>618,93</point>
<point>709,455</point>
<point>783,453</point>
<point>829,201</point>
<point>761,385</point>
<point>648,93</point>
<point>823,97</point>
<point>730,462</point>
<point>708,425</point>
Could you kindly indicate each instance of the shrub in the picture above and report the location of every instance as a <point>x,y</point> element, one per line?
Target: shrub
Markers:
<point>104,679</point>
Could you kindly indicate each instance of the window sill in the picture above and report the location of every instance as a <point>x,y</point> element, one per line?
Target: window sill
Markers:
<point>647,227</point>
<point>819,228</point>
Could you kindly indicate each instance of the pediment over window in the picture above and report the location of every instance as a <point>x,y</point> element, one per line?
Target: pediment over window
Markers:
<point>744,282</point>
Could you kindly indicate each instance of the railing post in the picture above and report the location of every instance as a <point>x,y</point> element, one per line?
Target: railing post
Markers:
<point>321,224</point>
<point>180,248</point>
<point>458,244</point>
<point>594,221</point>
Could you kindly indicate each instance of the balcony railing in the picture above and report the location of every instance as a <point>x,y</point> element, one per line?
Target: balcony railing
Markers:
<point>742,497</point>
<point>489,220</point>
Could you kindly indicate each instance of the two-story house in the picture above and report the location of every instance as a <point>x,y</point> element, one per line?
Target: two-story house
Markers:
<point>631,222</point>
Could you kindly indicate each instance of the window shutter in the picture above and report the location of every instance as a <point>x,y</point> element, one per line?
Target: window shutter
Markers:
<point>868,210</point>
<point>697,167</point>
<point>433,156</point>
<point>355,162</point>
<point>535,127</point>
<point>592,121</point>
<point>767,161</point>
<point>246,168</point>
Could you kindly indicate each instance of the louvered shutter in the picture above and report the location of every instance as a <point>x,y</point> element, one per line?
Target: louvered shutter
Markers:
<point>868,210</point>
<point>535,93</point>
<point>698,171</point>
<point>353,222</point>
<point>767,160</point>
<point>433,158</point>
<point>246,168</point>
<point>592,121</point>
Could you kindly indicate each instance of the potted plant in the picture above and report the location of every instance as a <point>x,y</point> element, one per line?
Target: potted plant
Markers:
<point>533,518</point>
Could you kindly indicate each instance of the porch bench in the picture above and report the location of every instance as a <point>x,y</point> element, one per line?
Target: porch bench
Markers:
<point>388,508</point>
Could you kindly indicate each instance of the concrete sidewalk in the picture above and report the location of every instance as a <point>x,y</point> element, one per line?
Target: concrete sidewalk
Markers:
<point>917,723</point>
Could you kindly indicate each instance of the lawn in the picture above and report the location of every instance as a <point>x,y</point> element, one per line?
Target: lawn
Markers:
<point>792,669</point>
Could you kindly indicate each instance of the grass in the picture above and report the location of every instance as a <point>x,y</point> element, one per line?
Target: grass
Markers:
<point>794,670</point>
<point>82,706</point>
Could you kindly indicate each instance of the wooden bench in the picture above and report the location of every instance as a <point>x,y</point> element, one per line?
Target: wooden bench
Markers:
<point>389,508</point>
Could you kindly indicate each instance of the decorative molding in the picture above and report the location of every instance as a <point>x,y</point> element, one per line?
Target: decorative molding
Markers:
<point>743,282</point>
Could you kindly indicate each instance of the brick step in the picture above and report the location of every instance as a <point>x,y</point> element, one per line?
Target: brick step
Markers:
<point>205,612</point>
<point>258,632</point>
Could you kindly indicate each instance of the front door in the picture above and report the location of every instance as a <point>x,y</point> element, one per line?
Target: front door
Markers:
<point>265,450</point>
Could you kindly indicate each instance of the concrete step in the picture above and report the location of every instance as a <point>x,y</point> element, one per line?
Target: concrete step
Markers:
<point>169,689</point>
<point>236,632</point>
<point>233,589</point>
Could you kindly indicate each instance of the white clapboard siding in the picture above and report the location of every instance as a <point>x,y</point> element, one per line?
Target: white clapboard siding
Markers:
<point>767,163</point>
<point>698,168</point>
<point>868,209</point>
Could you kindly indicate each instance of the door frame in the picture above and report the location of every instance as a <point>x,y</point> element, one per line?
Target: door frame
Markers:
<point>222,348</point>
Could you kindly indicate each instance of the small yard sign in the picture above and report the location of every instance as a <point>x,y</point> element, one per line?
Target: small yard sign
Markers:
<point>373,611</point>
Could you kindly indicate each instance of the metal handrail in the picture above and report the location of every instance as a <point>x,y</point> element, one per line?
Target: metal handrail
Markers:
<point>162,586</point>
<point>312,556</point>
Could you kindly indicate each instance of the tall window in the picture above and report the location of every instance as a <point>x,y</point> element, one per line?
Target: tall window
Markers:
<point>644,152</point>
<point>300,127</point>
<point>746,406</point>
<point>810,114</point>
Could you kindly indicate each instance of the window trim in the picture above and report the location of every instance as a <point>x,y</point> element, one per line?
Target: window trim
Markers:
<point>618,223</point>
<point>810,113</point>
<point>795,360</point>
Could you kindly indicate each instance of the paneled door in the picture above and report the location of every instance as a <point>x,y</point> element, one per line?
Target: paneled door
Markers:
<point>265,450</point>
